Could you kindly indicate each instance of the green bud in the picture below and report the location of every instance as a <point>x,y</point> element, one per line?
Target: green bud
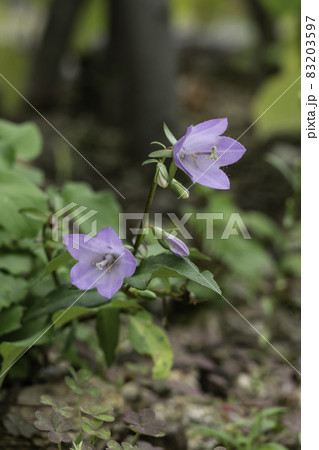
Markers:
<point>142,251</point>
<point>178,189</point>
<point>160,235</point>
<point>162,175</point>
<point>144,294</point>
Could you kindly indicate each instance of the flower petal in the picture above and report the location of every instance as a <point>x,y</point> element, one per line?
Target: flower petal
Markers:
<point>128,264</point>
<point>110,282</point>
<point>110,238</point>
<point>85,275</point>
<point>203,137</point>
<point>177,246</point>
<point>228,151</point>
<point>84,247</point>
<point>177,148</point>
<point>214,126</point>
<point>209,176</point>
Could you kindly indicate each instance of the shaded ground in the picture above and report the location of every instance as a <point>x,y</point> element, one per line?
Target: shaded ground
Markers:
<point>222,375</point>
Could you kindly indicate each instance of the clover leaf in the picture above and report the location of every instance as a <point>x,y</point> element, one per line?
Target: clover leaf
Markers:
<point>98,412</point>
<point>145,423</point>
<point>58,406</point>
<point>113,445</point>
<point>56,425</point>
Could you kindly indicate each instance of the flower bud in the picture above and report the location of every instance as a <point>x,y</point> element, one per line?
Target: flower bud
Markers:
<point>142,251</point>
<point>161,176</point>
<point>170,242</point>
<point>178,189</point>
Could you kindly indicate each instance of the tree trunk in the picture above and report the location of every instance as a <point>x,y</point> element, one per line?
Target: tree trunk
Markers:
<point>143,58</point>
<point>44,77</point>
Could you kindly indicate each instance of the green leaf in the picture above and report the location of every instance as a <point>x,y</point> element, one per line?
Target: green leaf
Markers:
<point>62,298</point>
<point>272,446</point>
<point>264,421</point>
<point>107,328</point>
<point>24,139</point>
<point>72,385</point>
<point>16,194</point>
<point>34,332</point>
<point>13,290</point>
<point>223,437</point>
<point>64,316</point>
<point>98,412</point>
<point>272,411</point>
<point>158,143</point>
<point>88,429</point>
<point>138,281</point>
<point>148,339</point>
<point>9,352</point>
<point>103,202</point>
<point>166,265</point>
<point>33,174</point>
<point>92,423</point>
<point>169,134</point>
<point>47,400</point>
<point>16,263</point>
<point>95,409</point>
<point>114,445</point>
<point>83,376</point>
<point>60,260</point>
<point>161,154</point>
<point>149,161</point>
<point>196,254</point>
<point>103,433</point>
<point>10,320</point>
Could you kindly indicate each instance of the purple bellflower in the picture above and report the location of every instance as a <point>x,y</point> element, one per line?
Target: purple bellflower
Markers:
<point>170,242</point>
<point>103,261</point>
<point>202,151</point>
<point>176,246</point>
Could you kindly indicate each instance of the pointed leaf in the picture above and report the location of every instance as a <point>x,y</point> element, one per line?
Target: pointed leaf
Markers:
<point>161,154</point>
<point>166,265</point>
<point>107,327</point>
<point>149,161</point>
<point>169,134</point>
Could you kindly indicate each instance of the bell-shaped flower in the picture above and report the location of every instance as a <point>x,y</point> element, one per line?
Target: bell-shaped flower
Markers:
<point>170,242</point>
<point>202,152</point>
<point>104,262</point>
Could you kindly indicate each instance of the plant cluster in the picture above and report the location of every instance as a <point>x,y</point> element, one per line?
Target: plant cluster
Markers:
<point>92,419</point>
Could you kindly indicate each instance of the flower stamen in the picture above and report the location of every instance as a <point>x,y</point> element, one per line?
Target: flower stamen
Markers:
<point>105,261</point>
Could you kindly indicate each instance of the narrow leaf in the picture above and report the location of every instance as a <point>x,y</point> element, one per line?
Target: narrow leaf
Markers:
<point>149,161</point>
<point>107,327</point>
<point>169,134</point>
<point>161,154</point>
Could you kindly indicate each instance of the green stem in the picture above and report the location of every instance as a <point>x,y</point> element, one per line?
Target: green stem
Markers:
<point>145,215</point>
<point>135,438</point>
<point>172,170</point>
<point>80,416</point>
<point>164,316</point>
<point>48,255</point>
<point>59,446</point>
